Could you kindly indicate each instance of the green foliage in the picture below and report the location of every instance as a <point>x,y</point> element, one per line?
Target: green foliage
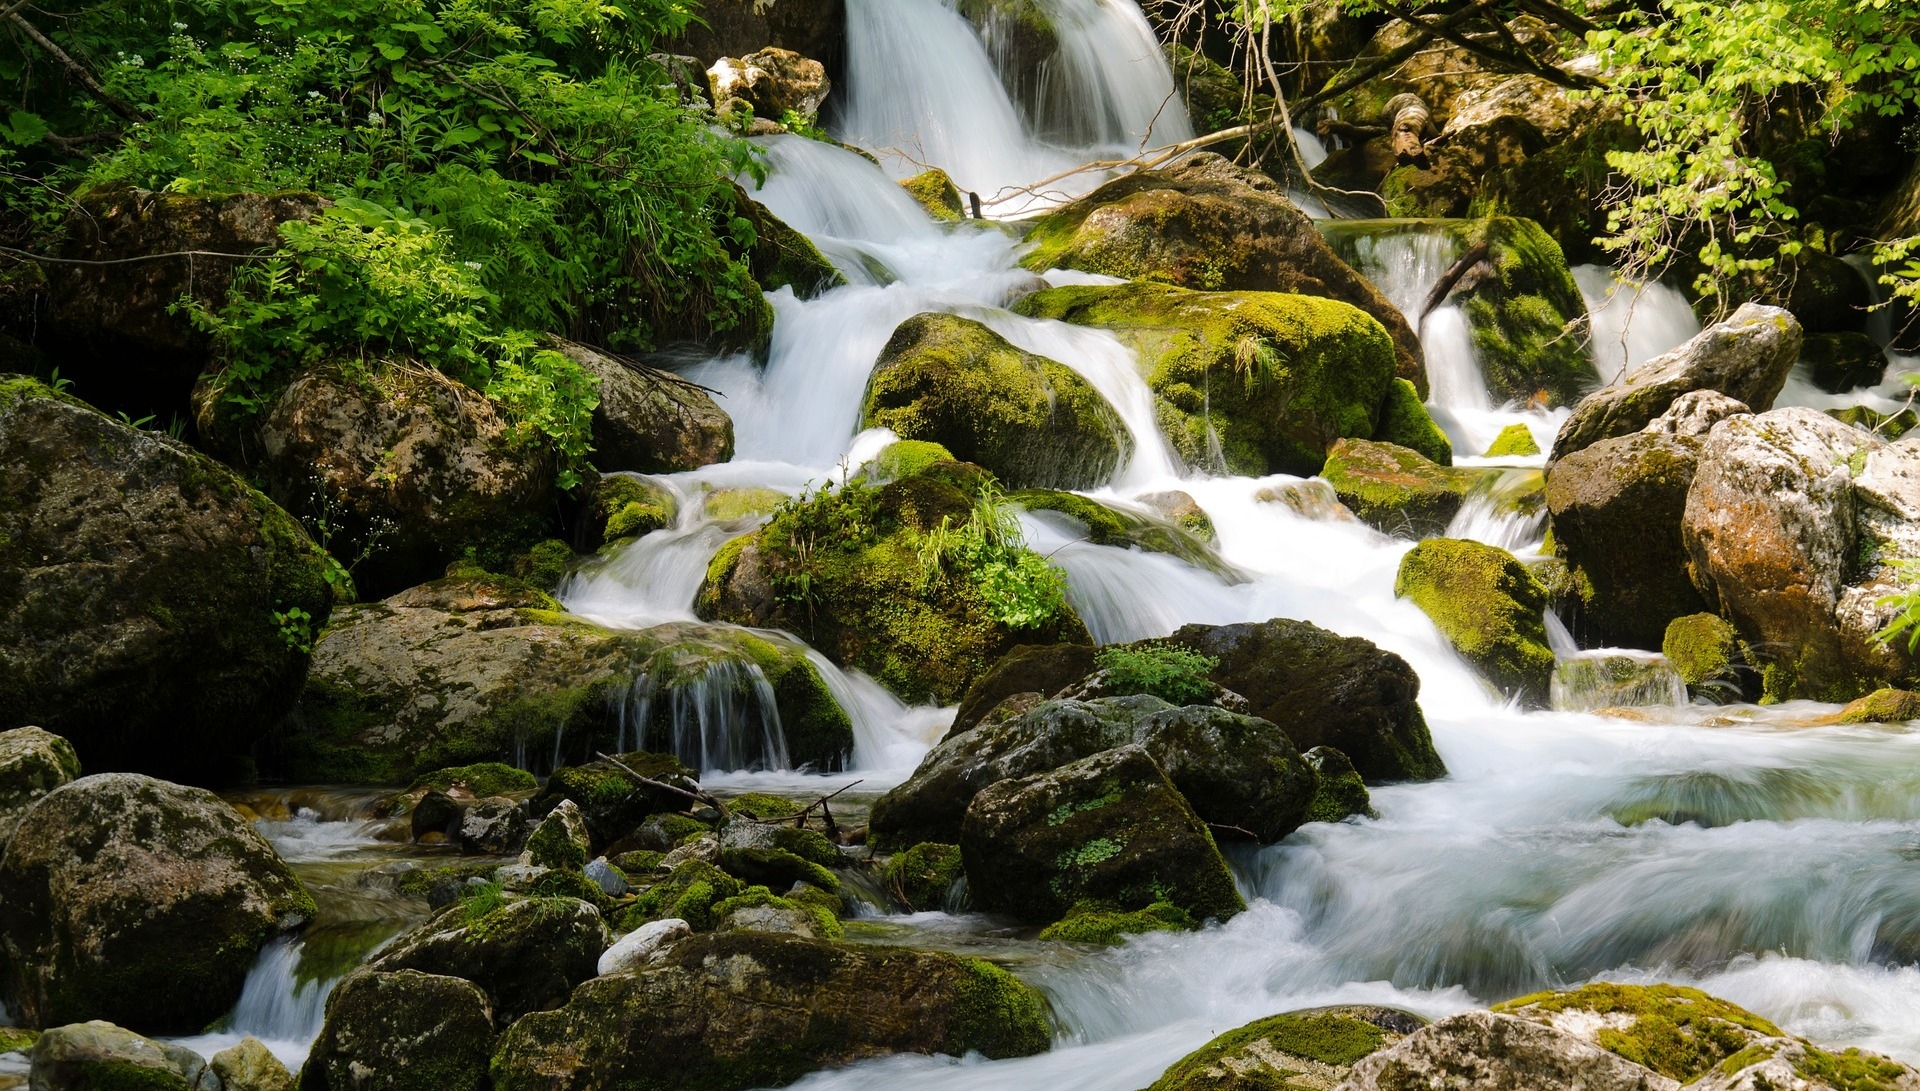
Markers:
<point>478,901</point>
<point>1021,589</point>
<point>1905,603</point>
<point>296,628</point>
<point>488,778</point>
<point>1171,672</point>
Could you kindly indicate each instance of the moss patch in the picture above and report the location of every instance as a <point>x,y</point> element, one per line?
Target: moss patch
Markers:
<point>1488,606</point>
<point>1397,490</point>
<point>1702,647</point>
<point>1099,924</point>
<point>922,877</point>
<point>487,778</point>
<point>1405,422</point>
<point>908,457</point>
<point>936,193</point>
<point>1514,441</point>
<point>1296,1051</point>
<point>1250,383</point>
<point>1678,1032</point>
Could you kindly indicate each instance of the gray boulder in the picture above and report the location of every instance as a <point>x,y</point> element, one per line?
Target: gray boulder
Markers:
<point>650,421</point>
<point>1793,525</point>
<point>33,762</point>
<point>99,1055</point>
<point>250,1066</point>
<point>526,955</point>
<point>138,901</point>
<point>1492,1052</point>
<point>1747,358</point>
<point>404,1031</point>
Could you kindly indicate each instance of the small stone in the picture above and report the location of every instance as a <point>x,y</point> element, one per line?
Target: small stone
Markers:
<point>607,877</point>
<point>638,948</point>
<point>250,1066</point>
<point>560,841</point>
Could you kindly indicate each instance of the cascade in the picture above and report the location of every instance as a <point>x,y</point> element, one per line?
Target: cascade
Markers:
<point>1760,859</point>
<point>1631,324</point>
<point>1108,85</point>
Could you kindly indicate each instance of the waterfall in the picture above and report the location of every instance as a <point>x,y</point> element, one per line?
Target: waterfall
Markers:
<point>279,1005</point>
<point>1631,323</point>
<point>1616,678</point>
<point>1109,85</point>
<point>722,719</point>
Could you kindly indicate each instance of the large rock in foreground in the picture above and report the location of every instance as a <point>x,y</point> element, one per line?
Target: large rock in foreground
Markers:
<point>154,608</point>
<point>1237,771</point>
<point>1032,421</point>
<point>740,1010</point>
<point>1250,383</point>
<point>1209,225</point>
<point>469,670</point>
<point>1319,1046</point>
<point>1747,358</point>
<point>140,902</point>
<point>1109,831</point>
<point>526,955</point>
<point>405,1031</point>
<point>1793,525</point>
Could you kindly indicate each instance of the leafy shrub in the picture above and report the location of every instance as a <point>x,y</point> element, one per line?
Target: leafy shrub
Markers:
<point>1172,672</point>
<point>1021,589</point>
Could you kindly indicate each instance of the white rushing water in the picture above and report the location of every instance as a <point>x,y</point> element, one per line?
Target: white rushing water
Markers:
<point>1764,859</point>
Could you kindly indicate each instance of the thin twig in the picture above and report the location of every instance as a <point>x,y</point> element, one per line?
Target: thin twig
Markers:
<point>801,814</point>
<point>697,797</point>
<point>24,255</point>
<point>75,68</point>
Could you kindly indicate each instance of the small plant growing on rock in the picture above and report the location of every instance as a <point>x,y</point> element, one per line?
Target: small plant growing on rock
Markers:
<point>1021,589</point>
<point>1172,672</point>
<point>1906,604</point>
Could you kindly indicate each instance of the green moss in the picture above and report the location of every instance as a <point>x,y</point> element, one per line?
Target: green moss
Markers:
<point>908,457</point>
<point>1405,422</point>
<point>17,1039</point>
<point>546,564</point>
<point>1678,1032</point>
<point>1032,421</point>
<point>487,778</point>
<point>1488,606</point>
<point>689,893</point>
<point>936,193</point>
<point>570,884</point>
<point>1751,1055</point>
<point>123,1076</point>
<point>1882,706</point>
<point>1395,489</point>
<point>742,502</point>
<point>1851,1070</point>
<point>826,924</point>
<point>627,507</point>
<point>1514,441</point>
<point>419,882</point>
<point>998,1014</point>
<point>1702,647</point>
<point>1255,1057</point>
<point>1339,792</point>
<point>922,877</point>
<point>776,867</point>
<point>1098,924</point>
<point>551,847</point>
<point>762,805</point>
<point>1250,383</point>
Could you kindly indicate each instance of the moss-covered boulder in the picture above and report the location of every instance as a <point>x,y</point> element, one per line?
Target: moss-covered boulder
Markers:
<point>155,610</point>
<point>626,506</point>
<point>1525,314</point>
<point>1316,1047</point>
<point>1324,689</point>
<point>1679,1032</point>
<point>1209,225</point>
<point>740,1010</point>
<point>1704,649</point>
<point>1339,792</point>
<point>1101,925</point>
<point>1882,706</point>
<point>407,1030</point>
<point>1248,383</point>
<point>249,1065</point>
<point>922,877</point>
<point>610,802</point>
<point>780,256</point>
<point>1183,511</point>
<point>1514,441</point>
<point>98,1056</point>
<point>1405,422</point>
<point>935,192</point>
<point>1238,772</point>
<point>526,955</point>
<point>33,762</point>
<point>1110,828</point>
<point>478,781</point>
<point>1616,508</point>
<point>1032,421</point>
<point>483,669</point>
<point>1746,358</point>
<point>844,570</point>
<point>1489,606</point>
<point>140,902</point>
<point>1179,534</point>
<point>1396,490</point>
<point>650,421</point>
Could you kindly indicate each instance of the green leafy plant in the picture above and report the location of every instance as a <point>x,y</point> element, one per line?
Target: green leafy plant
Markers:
<point>1905,602</point>
<point>479,899</point>
<point>1021,589</point>
<point>296,628</point>
<point>1172,672</point>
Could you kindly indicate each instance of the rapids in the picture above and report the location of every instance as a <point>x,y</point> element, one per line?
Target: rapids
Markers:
<point>1739,849</point>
